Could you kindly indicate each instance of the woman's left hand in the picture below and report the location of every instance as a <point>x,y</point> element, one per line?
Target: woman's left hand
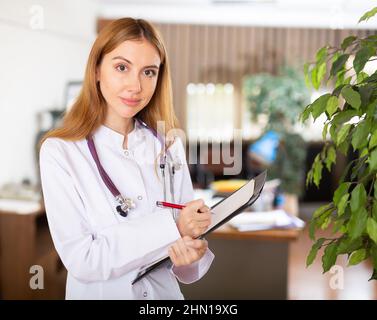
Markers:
<point>187,250</point>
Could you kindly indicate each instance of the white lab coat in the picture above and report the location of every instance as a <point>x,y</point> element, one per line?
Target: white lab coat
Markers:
<point>101,250</point>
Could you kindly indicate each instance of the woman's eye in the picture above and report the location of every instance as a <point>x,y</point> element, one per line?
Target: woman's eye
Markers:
<point>121,67</point>
<point>150,73</point>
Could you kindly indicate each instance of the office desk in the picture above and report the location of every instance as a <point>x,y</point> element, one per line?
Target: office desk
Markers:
<point>25,241</point>
<point>247,265</point>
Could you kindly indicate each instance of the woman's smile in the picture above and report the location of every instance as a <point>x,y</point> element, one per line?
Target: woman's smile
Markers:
<point>130,102</point>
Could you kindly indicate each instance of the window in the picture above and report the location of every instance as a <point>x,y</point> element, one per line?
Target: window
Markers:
<point>210,111</point>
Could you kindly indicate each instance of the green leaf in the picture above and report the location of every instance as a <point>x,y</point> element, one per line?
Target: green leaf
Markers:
<point>326,222</point>
<point>330,158</point>
<point>371,109</point>
<point>372,229</point>
<point>371,78</point>
<point>340,192</point>
<point>366,92</point>
<point>373,37</point>
<point>364,152</point>
<point>309,177</point>
<point>312,227</point>
<point>324,131</point>
<point>344,146</point>
<point>337,225</point>
<point>339,64</point>
<point>362,57</point>
<point>347,80</point>
<point>333,132</point>
<point>369,14</point>
<point>348,245</point>
<point>357,223</point>
<point>358,197</point>
<point>319,105</point>
<point>332,105</point>
<point>373,255</point>
<point>337,90</point>
<point>351,96</point>
<point>362,76</point>
<point>342,204</point>
<point>322,209</point>
<point>373,160</point>
<point>344,116</point>
<point>306,74</point>
<point>314,73</point>
<point>374,210</point>
<point>321,72</point>
<point>357,256</point>
<point>342,134</point>
<point>360,134</point>
<point>317,172</point>
<point>339,83</point>
<point>321,55</point>
<point>358,168</point>
<point>329,257</point>
<point>313,252</point>
<point>306,113</point>
<point>347,42</point>
<point>373,140</point>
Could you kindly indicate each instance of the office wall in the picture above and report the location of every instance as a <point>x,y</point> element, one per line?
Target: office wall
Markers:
<point>43,45</point>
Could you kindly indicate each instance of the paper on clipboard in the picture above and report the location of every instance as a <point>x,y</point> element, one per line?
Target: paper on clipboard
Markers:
<point>222,212</point>
<point>230,204</point>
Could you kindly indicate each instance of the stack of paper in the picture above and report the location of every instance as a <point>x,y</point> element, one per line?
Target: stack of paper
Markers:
<point>275,219</point>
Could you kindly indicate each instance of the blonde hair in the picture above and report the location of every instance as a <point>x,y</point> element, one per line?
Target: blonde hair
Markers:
<point>89,110</point>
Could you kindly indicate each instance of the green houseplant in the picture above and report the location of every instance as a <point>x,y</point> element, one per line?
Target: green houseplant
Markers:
<point>281,97</point>
<point>351,125</point>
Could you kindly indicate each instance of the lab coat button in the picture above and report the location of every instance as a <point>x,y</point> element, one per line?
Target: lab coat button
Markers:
<point>145,294</point>
<point>140,198</point>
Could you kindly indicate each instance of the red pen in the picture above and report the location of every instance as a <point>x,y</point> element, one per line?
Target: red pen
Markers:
<point>169,205</point>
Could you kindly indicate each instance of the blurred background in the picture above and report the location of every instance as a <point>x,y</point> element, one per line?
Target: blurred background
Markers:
<point>236,65</point>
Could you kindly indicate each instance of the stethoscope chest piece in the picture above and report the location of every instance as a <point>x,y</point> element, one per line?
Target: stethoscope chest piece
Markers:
<point>125,205</point>
<point>177,164</point>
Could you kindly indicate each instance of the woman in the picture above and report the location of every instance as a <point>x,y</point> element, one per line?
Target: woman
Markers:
<point>105,167</point>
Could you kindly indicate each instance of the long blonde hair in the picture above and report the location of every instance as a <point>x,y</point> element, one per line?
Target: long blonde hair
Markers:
<point>89,110</point>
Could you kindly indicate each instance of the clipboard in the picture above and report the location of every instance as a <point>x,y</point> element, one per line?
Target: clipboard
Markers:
<point>236,202</point>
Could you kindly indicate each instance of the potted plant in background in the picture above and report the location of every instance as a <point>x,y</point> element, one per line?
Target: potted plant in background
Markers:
<point>351,124</point>
<point>281,98</point>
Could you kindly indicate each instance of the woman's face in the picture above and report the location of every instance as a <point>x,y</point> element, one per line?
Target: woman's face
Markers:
<point>128,77</point>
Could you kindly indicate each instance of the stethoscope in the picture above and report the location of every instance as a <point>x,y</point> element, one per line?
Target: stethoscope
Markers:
<point>126,204</point>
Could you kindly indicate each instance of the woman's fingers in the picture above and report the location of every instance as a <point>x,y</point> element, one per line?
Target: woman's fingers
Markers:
<point>204,209</point>
<point>195,204</point>
<point>206,216</point>
<point>199,244</point>
<point>187,250</point>
<point>184,250</point>
<point>202,224</point>
<point>180,252</point>
<point>173,256</point>
<point>192,254</point>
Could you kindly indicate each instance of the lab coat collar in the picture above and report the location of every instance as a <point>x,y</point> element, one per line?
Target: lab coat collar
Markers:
<point>115,139</point>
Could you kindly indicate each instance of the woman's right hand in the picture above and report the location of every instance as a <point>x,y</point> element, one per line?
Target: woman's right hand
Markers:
<point>194,219</point>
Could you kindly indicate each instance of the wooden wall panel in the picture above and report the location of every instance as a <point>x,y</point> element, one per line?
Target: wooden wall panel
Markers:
<point>220,54</point>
